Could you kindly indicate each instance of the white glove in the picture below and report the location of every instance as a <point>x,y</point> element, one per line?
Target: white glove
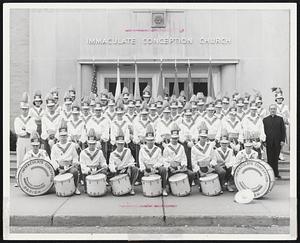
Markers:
<point>190,144</point>
<point>257,145</point>
<point>237,147</point>
<point>213,163</point>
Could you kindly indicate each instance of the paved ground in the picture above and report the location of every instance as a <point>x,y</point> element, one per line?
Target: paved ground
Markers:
<point>107,211</point>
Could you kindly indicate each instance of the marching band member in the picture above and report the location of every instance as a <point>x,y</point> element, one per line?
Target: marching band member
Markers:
<point>119,122</point>
<point>225,103</point>
<point>193,102</point>
<point>223,161</point>
<point>76,128</point>
<point>187,133</point>
<point>24,125</point>
<point>202,154</point>
<point>233,125</point>
<point>36,152</point>
<point>147,94</point>
<point>50,124</point>
<point>92,104</point>
<point>254,124</point>
<point>131,114</point>
<point>262,112</point>
<point>121,160</point>
<point>180,106</point>
<point>153,114</point>
<point>85,110</point>
<point>151,160</point>
<point>37,111</point>
<point>175,157</point>
<point>240,114</point>
<point>163,127</point>
<point>246,103</point>
<point>110,112</point>
<point>219,106</point>
<point>72,93</point>
<point>174,115</point>
<point>201,104</point>
<point>125,94</point>
<point>101,125</point>
<point>92,160</point>
<point>212,122</point>
<point>159,105</point>
<point>67,107</point>
<point>54,92</point>
<point>104,100</point>
<point>64,157</point>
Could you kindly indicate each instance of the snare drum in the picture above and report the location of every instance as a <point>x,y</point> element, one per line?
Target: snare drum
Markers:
<point>210,185</point>
<point>64,185</point>
<point>120,185</point>
<point>35,177</point>
<point>256,175</point>
<point>152,185</point>
<point>96,185</point>
<point>179,184</point>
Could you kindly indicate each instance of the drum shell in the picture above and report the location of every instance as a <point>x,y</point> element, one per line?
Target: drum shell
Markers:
<point>120,185</point>
<point>152,187</point>
<point>265,170</point>
<point>95,185</point>
<point>28,168</point>
<point>179,184</point>
<point>64,185</point>
<point>210,185</point>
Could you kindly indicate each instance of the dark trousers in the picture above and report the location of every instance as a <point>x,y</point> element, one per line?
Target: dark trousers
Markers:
<point>39,127</point>
<point>104,147</point>
<point>191,175</point>
<point>224,175</point>
<point>188,150</point>
<point>135,149</point>
<point>273,151</point>
<point>110,148</point>
<point>163,172</point>
<point>47,146</point>
<point>75,172</point>
<point>131,171</point>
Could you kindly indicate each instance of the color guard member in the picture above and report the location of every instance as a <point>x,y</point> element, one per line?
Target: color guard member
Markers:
<point>153,115</point>
<point>159,105</point>
<point>225,103</point>
<point>174,114</point>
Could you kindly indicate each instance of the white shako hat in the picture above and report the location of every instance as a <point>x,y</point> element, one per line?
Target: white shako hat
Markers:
<point>144,108</point>
<point>248,141</point>
<point>98,105</point>
<point>37,96</point>
<point>75,107</point>
<point>174,130</point>
<point>63,128</point>
<point>50,100</point>
<point>200,98</point>
<point>166,107</point>
<point>85,104</point>
<point>152,104</point>
<point>68,99</point>
<point>188,110</point>
<point>119,109</point>
<point>224,136</point>
<point>35,138</point>
<point>24,104</point>
<point>120,138</point>
<point>147,92</point>
<point>203,130</point>
<point>131,102</point>
<point>91,136</point>
<point>244,196</point>
<point>149,132</point>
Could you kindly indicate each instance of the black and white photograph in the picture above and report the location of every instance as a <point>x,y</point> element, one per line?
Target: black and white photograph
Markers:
<point>149,121</point>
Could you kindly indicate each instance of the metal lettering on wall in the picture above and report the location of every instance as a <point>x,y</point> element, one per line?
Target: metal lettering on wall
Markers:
<point>158,41</point>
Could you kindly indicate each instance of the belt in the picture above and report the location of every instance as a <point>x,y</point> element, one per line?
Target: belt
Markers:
<point>25,136</point>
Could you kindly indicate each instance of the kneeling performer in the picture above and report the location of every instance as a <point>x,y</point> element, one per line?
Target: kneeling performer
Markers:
<point>92,160</point>
<point>151,161</point>
<point>121,161</point>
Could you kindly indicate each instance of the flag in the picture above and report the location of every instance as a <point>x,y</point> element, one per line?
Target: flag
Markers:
<point>118,88</point>
<point>210,83</point>
<point>176,87</point>
<point>94,88</point>
<point>160,91</point>
<point>137,94</point>
<point>190,91</point>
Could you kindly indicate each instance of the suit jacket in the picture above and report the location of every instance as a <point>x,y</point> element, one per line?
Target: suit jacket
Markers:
<point>274,129</point>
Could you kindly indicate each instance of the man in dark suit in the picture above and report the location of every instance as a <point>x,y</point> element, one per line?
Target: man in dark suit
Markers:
<point>275,137</point>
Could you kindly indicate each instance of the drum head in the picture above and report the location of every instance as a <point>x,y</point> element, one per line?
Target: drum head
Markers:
<point>96,177</point>
<point>178,177</point>
<point>252,175</point>
<point>118,177</point>
<point>151,177</point>
<point>209,177</point>
<point>63,177</point>
<point>35,177</point>
<point>244,196</point>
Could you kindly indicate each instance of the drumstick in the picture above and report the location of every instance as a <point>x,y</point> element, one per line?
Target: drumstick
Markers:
<point>67,169</point>
<point>99,170</point>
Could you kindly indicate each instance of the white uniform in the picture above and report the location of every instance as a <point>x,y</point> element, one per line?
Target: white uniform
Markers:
<point>188,131</point>
<point>122,159</point>
<point>177,119</point>
<point>214,126</point>
<point>50,122</point>
<point>254,125</point>
<point>139,130</point>
<point>23,126</point>
<point>42,154</point>
<point>162,128</point>
<point>66,115</point>
<point>153,120</point>
<point>36,113</point>
<point>262,112</point>
<point>283,111</point>
<point>101,126</point>
<point>242,156</point>
<point>150,158</point>
<point>226,158</point>
<point>76,130</point>
<point>115,125</point>
<point>202,155</point>
<point>233,127</point>
<point>173,153</point>
<point>90,159</point>
<point>240,115</point>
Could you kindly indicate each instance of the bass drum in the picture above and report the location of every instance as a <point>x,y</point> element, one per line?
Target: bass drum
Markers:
<point>35,177</point>
<point>256,175</point>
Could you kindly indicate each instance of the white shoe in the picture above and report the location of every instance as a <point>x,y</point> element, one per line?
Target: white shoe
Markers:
<point>165,192</point>
<point>137,183</point>
<point>132,192</point>
<point>81,182</point>
<point>77,192</point>
<point>16,185</point>
<point>193,183</point>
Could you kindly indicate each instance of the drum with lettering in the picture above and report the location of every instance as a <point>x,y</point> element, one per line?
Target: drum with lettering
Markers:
<point>96,185</point>
<point>152,185</point>
<point>179,184</point>
<point>210,185</point>
<point>35,177</point>
<point>64,185</point>
<point>256,175</point>
<point>120,185</point>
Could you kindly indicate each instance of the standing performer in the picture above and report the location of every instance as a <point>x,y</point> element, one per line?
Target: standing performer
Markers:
<point>64,156</point>
<point>159,105</point>
<point>125,95</point>
<point>24,125</point>
<point>187,133</point>
<point>57,107</point>
<point>225,103</point>
<point>180,106</point>
<point>246,103</point>
<point>92,160</point>
<point>36,152</point>
<point>163,125</point>
<point>37,111</point>
<point>218,107</point>
<point>50,124</point>
<point>223,161</point>
<point>175,157</point>
<point>92,103</point>
<point>254,124</point>
<point>147,94</point>
<point>275,137</point>
<point>262,112</point>
<point>121,160</point>
<point>101,125</point>
<point>174,111</point>
<point>201,104</point>
<point>240,114</point>
<point>76,128</point>
<point>104,100</point>
<point>67,107</point>
<point>202,154</point>
<point>151,160</point>
<point>138,104</point>
<point>85,116</point>
<point>72,93</point>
